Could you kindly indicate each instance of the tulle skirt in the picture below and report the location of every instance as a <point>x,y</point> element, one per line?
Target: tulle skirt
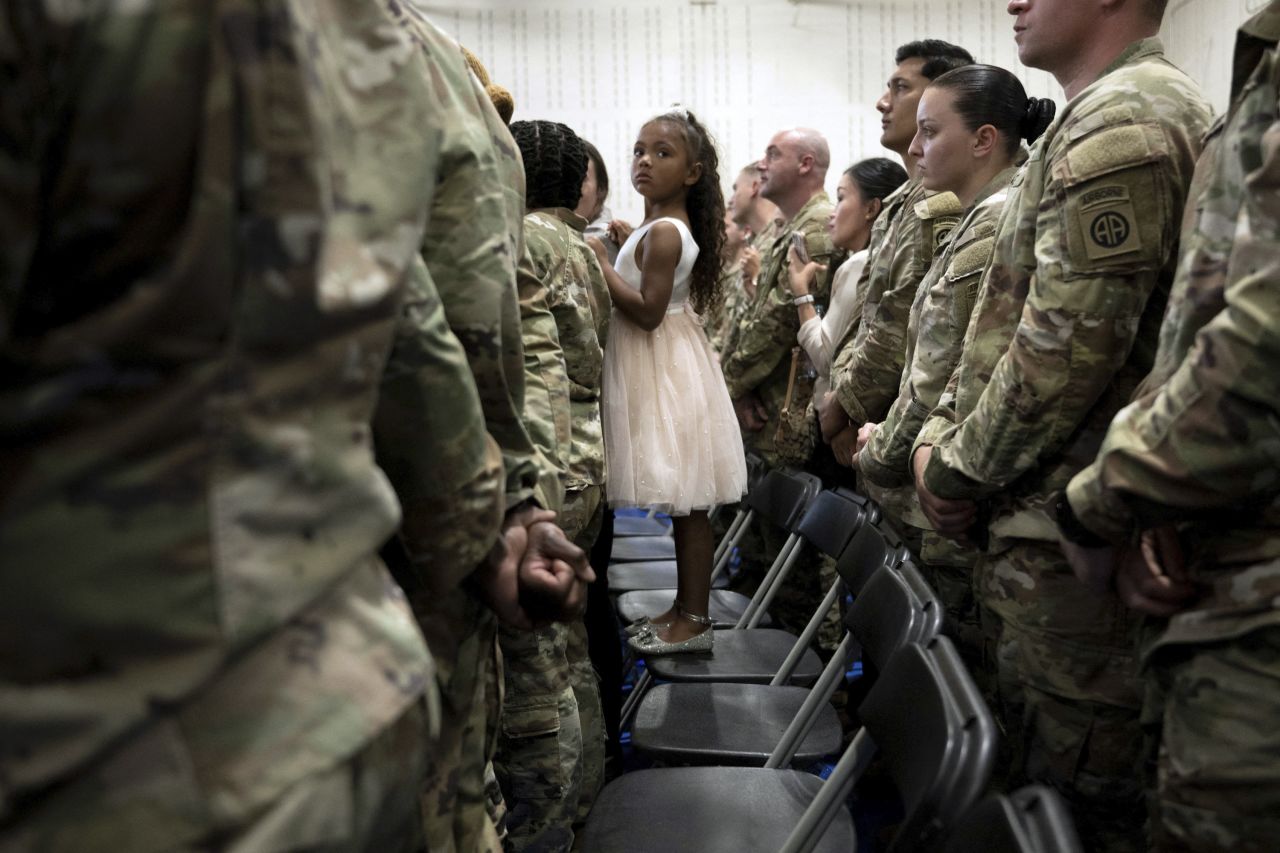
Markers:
<point>670,434</point>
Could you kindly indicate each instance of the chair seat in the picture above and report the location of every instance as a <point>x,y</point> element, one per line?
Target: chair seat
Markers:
<point>650,574</point>
<point>751,656</point>
<point>635,548</point>
<point>638,525</point>
<point>707,809</point>
<point>727,724</point>
<point>726,606</point>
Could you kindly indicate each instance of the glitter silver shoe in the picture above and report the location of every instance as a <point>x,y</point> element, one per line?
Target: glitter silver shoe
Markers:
<point>651,644</point>
<point>644,625</point>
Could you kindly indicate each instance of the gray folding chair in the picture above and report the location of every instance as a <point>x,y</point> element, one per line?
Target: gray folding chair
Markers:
<point>747,652</point>
<point>925,730</point>
<point>1034,819</point>
<point>647,587</point>
<point>772,725</point>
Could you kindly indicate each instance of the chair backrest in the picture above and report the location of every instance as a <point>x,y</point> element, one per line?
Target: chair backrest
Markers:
<point>782,496</point>
<point>1034,819</point>
<point>859,560</point>
<point>932,736</point>
<point>830,522</point>
<point>885,616</point>
<point>927,598</point>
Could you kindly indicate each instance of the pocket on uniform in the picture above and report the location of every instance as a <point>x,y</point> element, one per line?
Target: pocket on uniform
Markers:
<point>521,721</point>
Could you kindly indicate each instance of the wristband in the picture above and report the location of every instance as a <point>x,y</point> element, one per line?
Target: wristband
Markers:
<point>802,300</point>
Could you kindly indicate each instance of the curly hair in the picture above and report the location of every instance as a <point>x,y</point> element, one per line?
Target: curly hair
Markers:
<point>705,206</point>
<point>555,163</point>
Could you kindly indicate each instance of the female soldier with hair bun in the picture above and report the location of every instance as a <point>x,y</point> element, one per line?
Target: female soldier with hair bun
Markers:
<point>971,123</point>
<point>552,726</point>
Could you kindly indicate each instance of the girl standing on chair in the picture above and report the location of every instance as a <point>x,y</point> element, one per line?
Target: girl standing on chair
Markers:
<point>671,437</point>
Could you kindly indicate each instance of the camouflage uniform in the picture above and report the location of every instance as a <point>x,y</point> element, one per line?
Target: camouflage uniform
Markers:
<point>1198,449</point>
<point>869,363</point>
<point>200,648</point>
<point>549,765</point>
<point>935,333</point>
<point>723,315</point>
<point>758,360</point>
<point>471,247</point>
<point>1063,329</point>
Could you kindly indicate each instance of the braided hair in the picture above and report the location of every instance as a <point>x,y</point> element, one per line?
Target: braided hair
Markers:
<point>555,163</point>
<point>705,206</point>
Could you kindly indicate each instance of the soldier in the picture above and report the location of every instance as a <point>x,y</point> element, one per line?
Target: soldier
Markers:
<point>759,220</point>
<point>720,316</point>
<point>1063,328</point>
<point>471,247</point>
<point>972,120</point>
<point>1189,469</point>
<point>913,224</point>
<point>551,752</point>
<point>202,649</point>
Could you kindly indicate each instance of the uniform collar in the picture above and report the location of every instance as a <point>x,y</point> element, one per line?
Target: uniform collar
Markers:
<point>565,215</point>
<point>1140,49</point>
<point>820,197</point>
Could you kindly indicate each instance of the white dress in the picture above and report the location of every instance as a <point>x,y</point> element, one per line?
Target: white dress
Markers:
<point>671,437</point>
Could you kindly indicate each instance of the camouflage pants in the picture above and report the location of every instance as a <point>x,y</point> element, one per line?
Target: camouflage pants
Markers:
<point>1074,660</point>
<point>948,567</point>
<point>803,589</point>
<point>457,814</point>
<point>584,511</point>
<point>369,802</point>
<point>1217,708</point>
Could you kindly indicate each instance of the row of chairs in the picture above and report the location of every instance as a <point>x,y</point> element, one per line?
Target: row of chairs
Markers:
<point>760,703</point>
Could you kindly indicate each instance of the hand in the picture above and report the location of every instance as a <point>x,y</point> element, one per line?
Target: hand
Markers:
<point>843,446</point>
<point>949,518</point>
<point>864,436</point>
<point>750,263</point>
<point>498,578</point>
<point>620,230</point>
<point>800,273</point>
<point>597,246</point>
<point>1093,567</point>
<point>553,576</point>
<point>833,419</point>
<point>752,415</point>
<point>1154,579</point>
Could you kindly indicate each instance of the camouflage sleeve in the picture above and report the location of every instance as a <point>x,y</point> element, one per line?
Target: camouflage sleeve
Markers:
<point>1098,253</point>
<point>1208,440</point>
<point>471,246</point>
<point>546,402</point>
<point>884,460</point>
<point>430,440</point>
<point>768,330</point>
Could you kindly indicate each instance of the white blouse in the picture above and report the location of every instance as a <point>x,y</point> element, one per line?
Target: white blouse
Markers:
<point>819,336</point>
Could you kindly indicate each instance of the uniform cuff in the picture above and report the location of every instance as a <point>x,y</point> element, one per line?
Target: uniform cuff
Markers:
<point>949,484</point>
<point>877,472</point>
<point>1098,509</point>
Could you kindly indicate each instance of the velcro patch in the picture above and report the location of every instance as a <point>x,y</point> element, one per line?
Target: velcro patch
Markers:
<point>1107,222</point>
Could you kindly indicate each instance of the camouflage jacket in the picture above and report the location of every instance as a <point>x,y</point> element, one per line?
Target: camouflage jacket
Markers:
<point>742,302</point>
<point>472,246</point>
<point>579,301</point>
<point>1067,314</point>
<point>760,361</point>
<point>869,366</point>
<point>720,318</point>
<point>1200,446</point>
<point>935,332</point>
<point>193,332</point>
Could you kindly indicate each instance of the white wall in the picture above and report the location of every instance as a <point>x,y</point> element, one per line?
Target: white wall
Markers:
<point>751,67</point>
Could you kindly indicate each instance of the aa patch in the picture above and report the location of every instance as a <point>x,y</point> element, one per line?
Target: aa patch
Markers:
<point>1107,222</point>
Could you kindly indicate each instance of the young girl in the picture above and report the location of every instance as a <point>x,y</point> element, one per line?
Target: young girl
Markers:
<point>671,437</point>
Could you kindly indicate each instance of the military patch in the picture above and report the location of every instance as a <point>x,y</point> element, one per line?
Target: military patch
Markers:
<point>1107,222</point>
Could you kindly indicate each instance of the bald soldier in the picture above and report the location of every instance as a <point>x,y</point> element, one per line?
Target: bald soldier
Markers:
<point>1063,328</point>
<point>1189,470</point>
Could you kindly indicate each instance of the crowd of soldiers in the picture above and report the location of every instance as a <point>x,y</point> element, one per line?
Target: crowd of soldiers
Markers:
<point>296,376</point>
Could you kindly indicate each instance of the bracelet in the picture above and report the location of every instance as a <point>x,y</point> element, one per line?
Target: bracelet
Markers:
<point>802,300</point>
